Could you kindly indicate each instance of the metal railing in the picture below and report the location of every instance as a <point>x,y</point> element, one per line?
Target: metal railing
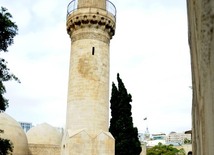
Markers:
<point>72,6</point>
<point>111,8</point>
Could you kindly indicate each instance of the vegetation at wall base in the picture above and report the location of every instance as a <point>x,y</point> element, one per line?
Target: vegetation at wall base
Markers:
<point>187,141</point>
<point>161,149</point>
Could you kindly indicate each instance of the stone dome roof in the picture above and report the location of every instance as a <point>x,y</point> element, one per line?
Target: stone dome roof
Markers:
<point>14,132</point>
<point>44,134</point>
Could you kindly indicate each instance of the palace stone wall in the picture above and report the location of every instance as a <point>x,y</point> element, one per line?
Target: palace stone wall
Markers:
<point>41,149</point>
<point>201,42</point>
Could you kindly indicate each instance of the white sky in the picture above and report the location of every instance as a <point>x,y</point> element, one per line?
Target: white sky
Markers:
<point>149,50</point>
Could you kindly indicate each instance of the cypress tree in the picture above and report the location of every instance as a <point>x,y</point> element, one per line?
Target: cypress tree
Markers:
<point>121,124</point>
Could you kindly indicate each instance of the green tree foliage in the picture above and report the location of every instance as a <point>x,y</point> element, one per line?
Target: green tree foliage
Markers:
<point>6,147</point>
<point>121,125</point>
<point>187,141</point>
<point>5,75</point>
<point>161,149</point>
<point>8,30</point>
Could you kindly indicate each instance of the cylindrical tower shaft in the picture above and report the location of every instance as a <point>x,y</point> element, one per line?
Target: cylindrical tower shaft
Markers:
<point>90,26</point>
<point>88,81</point>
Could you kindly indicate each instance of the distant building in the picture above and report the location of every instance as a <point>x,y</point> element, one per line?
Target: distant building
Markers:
<point>159,136</point>
<point>147,134</point>
<point>26,126</point>
<point>156,138</point>
<point>144,136</point>
<point>141,136</point>
<point>177,138</point>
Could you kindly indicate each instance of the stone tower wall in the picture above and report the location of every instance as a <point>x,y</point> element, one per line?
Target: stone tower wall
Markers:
<point>90,27</point>
<point>44,149</point>
<point>201,41</point>
<point>88,92</point>
<point>90,30</point>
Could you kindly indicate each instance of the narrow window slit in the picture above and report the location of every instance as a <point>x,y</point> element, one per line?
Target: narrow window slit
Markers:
<point>93,50</point>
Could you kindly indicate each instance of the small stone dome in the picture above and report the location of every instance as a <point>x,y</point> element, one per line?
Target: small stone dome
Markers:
<point>44,134</point>
<point>14,132</point>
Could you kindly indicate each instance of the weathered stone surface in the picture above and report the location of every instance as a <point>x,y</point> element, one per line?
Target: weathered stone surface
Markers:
<point>90,28</point>
<point>44,139</point>
<point>84,142</point>
<point>91,18</point>
<point>14,132</point>
<point>88,91</point>
<point>44,149</point>
<point>201,41</point>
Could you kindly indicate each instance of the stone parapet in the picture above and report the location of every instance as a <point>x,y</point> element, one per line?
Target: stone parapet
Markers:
<point>44,149</point>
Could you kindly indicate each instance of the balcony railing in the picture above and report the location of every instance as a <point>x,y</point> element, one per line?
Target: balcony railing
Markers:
<point>72,6</point>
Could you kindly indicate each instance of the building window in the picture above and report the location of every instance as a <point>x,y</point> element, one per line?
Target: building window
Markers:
<point>93,50</point>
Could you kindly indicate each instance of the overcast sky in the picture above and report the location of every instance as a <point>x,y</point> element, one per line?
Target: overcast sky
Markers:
<point>150,51</point>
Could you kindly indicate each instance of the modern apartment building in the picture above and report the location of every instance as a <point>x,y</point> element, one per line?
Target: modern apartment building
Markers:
<point>26,126</point>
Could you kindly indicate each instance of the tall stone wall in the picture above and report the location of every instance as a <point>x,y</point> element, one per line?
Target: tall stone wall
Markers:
<point>201,42</point>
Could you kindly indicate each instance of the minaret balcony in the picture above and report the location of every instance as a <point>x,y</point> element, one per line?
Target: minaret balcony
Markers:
<point>91,15</point>
<point>73,6</point>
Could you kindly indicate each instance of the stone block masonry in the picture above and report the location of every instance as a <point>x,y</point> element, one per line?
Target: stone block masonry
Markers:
<point>90,28</point>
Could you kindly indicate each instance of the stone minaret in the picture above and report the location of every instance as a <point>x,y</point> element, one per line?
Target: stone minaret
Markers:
<point>90,25</point>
